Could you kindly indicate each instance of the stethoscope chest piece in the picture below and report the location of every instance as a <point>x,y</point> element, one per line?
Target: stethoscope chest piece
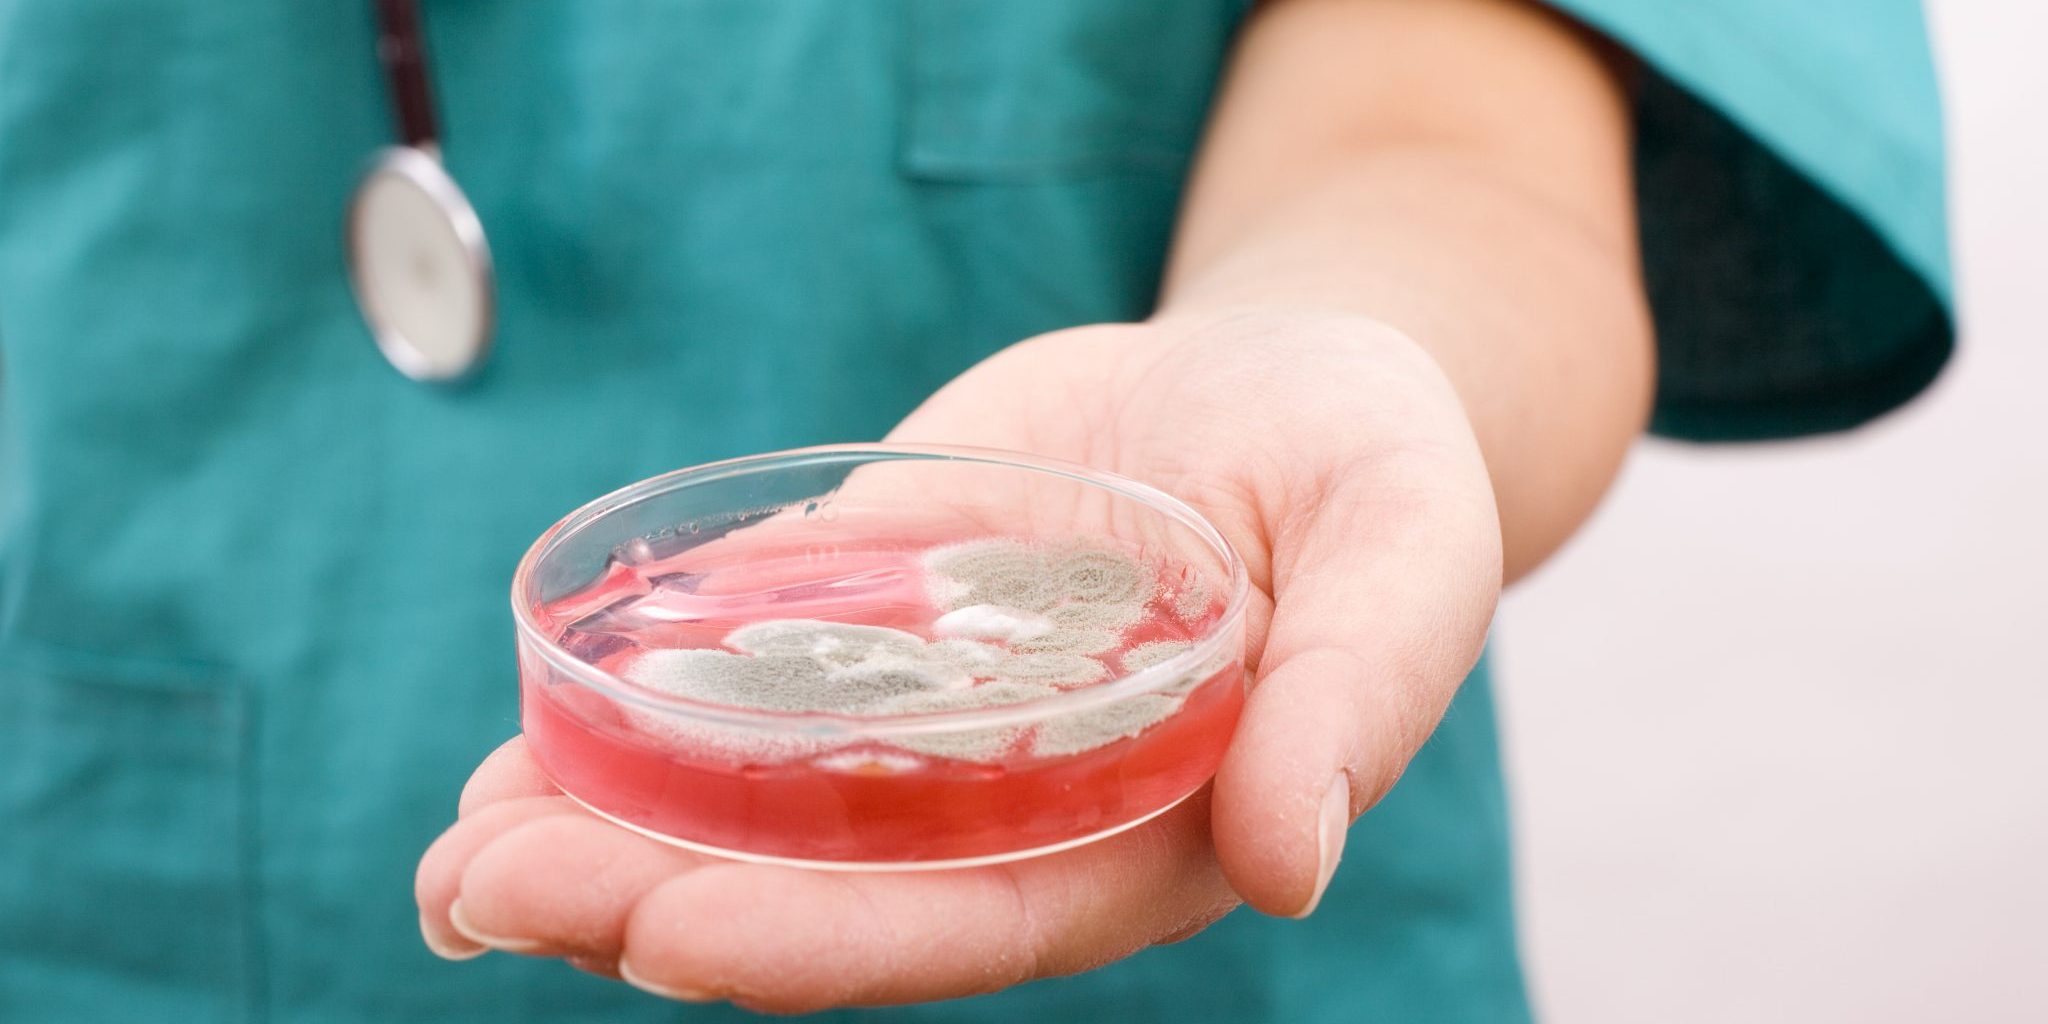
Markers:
<point>420,267</point>
<point>416,252</point>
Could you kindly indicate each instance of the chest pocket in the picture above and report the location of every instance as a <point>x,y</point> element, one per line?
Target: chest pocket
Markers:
<point>122,845</point>
<point>1009,90</point>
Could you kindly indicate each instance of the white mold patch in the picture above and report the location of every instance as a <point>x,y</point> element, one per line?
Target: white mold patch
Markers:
<point>992,622</point>
<point>870,761</point>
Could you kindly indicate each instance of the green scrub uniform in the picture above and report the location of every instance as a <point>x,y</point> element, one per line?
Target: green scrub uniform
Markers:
<point>253,614</point>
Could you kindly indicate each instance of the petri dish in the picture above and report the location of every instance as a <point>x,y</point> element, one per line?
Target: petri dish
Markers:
<point>881,656</point>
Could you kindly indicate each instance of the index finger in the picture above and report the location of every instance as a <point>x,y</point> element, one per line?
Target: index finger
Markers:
<point>508,773</point>
<point>789,940</point>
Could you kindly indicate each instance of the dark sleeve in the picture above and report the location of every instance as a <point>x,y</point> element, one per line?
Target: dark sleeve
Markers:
<point>1789,179</point>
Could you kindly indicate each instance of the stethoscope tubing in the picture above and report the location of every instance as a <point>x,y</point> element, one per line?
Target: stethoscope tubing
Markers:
<point>401,49</point>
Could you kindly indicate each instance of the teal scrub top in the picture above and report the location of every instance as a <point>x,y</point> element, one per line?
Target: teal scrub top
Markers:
<point>253,623</point>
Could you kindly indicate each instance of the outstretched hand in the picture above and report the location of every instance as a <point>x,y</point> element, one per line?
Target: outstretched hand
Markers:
<point>1333,454</point>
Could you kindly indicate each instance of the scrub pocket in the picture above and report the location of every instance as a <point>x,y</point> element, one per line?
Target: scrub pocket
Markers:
<point>1031,89</point>
<point>123,857</point>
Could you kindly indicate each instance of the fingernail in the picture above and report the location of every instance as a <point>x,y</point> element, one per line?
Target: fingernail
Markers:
<point>1334,821</point>
<point>500,942</point>
<point>449,949</point>
<point>595,965</point>
<point>684,995</point>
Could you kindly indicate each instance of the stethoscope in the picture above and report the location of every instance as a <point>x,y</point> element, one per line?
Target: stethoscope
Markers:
<point>417,258</point>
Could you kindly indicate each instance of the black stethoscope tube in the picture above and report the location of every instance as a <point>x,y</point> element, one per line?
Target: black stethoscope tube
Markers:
<point>401,49</point>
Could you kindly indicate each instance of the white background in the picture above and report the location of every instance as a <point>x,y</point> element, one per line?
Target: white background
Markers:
<point>1778,719</point>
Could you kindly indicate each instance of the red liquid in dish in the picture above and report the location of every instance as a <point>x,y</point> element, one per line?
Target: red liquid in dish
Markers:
<point>877,800</point>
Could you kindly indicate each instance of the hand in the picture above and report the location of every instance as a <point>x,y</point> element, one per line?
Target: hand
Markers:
<point>1336,458</point>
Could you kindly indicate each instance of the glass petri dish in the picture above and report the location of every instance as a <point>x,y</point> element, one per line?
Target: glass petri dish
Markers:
<point>881,656</point>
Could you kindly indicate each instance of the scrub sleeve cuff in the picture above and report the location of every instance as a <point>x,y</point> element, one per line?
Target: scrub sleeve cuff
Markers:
<point>1790,185</point>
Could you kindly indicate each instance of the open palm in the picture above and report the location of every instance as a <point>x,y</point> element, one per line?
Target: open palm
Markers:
<point>1333,455</point>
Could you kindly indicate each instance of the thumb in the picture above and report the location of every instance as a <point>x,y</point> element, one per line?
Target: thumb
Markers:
<point>1383,589</point>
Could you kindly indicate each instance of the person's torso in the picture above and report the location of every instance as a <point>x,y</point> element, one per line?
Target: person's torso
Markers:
<point>253,626</point>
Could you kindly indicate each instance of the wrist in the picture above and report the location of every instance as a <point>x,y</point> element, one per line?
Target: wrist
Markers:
<point>1314,331</point>
<point>1416,407</point>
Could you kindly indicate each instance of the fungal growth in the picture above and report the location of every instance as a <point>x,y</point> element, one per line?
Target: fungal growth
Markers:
<point>988,623</point>
<point>918,667</point>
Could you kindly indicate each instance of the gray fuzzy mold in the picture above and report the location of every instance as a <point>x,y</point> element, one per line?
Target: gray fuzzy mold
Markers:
<point>987,695</point>
<point>900,673</point>
<point>988,744</point>
<point>837,642</point>
<point>998,572</point>
<point>1052,669</point>
<point>734,740</point>
<point>775,682</point>
<point>978,659</point>
<point>1094,575</point>
<point>723,678</point>
<point>1086,615</point>
<point>1070,641</point>
<point>1036,578</point>
<point>767,682</point>
<point>1145,656</point>
<point>1100,727</point>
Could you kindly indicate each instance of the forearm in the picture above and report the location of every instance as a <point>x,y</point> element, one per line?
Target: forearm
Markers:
<point>1459,171</point>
